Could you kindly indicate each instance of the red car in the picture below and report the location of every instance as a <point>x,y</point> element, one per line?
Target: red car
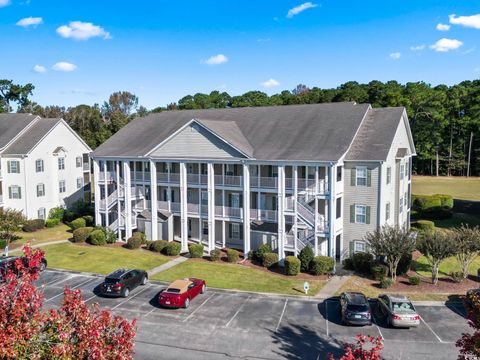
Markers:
<point>181,292</point>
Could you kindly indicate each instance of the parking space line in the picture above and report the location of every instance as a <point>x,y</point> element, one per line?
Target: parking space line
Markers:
<point>326,316</point>
<point>281,316</point>
<point>72,288</point>
<point>433,332</point>
<point>194,311</point>
<point>56,281</point>
<point>131,297</point>
<point>239,309</point>
<point>90,298</point>
<point>148,313</point>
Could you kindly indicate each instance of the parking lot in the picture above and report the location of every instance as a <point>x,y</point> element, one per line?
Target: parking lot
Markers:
<point>221,324</point>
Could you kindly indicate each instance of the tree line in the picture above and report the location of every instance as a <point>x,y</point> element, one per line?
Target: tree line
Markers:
<point>445,120</point>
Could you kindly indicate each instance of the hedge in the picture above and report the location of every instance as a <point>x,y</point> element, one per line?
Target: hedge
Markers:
<point>141,236</point>
<point>261,251</point>
<point>292,265</point>
<point>414,280</point>
<point>362,262</point>
<point>270,259</point>
<point>424,225</point>
<point>50,223</point>
<point>215,255</point>
<point>321,265</point>
<point>386,283</point>
<point>434,207</point>
<point>78,223</point>
<point>379,271</point>
<point>3,243</point>
<point>97,237</point>
<point>306,256</point>
<point>173,248</point>
<point>56,213</point>
<point>196,250</point>
<point>81,235</point>
<point>33,225</point>
<point>158,245</point>
<point>134,242</point>
<point>89,220</point>
<point>232,255</point>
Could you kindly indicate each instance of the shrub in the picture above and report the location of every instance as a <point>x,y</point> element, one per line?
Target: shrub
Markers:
<point>89,219</point>
<point>321,265</point>
<point>215,255</point>
<point>404,264</point>
<point>446,201</point>
<point>50,223</point>
<point>97,237</point>
<point>424,225</point>
<point>348,264</point>
<point>261,251</point>
<point>232,255</point>
<point>251,255</point>
<point>385,283</point>
<point>306,256</point>
<point>33,225</point>
<point>134,242</point>
<point>362,262</point>
<point>158,245</point>
<point>56,213</point>
<point>78,223</point>
<point>270,259</point>
<point>148,244</point>
<point>379,271</point>
<point>457,276</point>
<point>81,235</point>
<point>292,265</point>
<point>435,207</point>
<point>110,235</point>
<point>196,250</point>
<point>141,236</point>
<point>414,280</point>
<point>173,248</point>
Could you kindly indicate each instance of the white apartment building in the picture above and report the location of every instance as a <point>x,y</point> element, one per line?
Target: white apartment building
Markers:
<point>320,175</point>
<point>43,164</point>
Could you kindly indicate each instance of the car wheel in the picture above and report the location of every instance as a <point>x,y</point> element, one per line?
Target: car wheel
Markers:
<point>144,280</point>
<point>42,266</point>
<point>203,289</point>
<point>126,292</point>
<point>187,303</point>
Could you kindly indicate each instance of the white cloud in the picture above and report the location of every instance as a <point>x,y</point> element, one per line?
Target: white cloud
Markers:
<point>261,40</point>
<point>270,83</point>
<point>472,21</point>
<point>298,9</point>
<point>29,21</point>
<point>79,30</point>
<point>64,66</point>
<point>443,27</point>
<point>216,60</point>
<point>417,48</point>
<point>445,45</point>
<point>395,55</point>
<point>39,69</point>
<point>4,3</point>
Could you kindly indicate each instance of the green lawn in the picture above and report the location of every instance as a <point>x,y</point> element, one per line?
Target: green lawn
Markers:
<point>457,220</point>
<point>100,259</point>
<point>239,277</point>
<point>60,232</point>
<point>422,267</point>
<point>458,187</point>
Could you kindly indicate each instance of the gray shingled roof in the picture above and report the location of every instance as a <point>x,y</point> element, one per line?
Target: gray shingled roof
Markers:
<point>318,132</point>
<point>31,137</point>
<point>11,125</point>
<point>376,134</point>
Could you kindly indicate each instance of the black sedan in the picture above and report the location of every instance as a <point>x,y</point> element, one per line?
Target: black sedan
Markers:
<point>122,281</point>
<point>7,263</point>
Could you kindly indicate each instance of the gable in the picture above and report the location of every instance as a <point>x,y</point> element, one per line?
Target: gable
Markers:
<point>194,141</point>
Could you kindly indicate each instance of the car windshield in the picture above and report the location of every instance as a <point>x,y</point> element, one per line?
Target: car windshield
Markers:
<point>357,308</point>
<point>173,290</point>
<point>111,281</point>
<point>403,307</point>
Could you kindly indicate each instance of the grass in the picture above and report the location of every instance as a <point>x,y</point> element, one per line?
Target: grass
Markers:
<point>98,259</point>
<point>449,265</point>
<point>238,277</point>
<point>458,187</point>
<point>60,232</point>
<point>457,220</point>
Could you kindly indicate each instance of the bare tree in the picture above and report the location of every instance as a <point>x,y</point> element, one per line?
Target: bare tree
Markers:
<point>467,243</point>
<point>391,242</point>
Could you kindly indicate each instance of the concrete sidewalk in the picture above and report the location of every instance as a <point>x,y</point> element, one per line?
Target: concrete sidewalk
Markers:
<point>168,265</point>
<point>332,286</point>
<point>35,246</point>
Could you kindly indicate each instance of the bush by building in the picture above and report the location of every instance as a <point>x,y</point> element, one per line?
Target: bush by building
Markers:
<point>215,255</point>
<point>141,236</point>
<point>134,242</point>
<point>261,251</point>
<point>321,265</point>
<point>195,250</point>
<point>81,235</point>
<point>173,248</point>
<point>362,262</point>
<point>414,280</point>
<point>97,237</point>
<point>33,225</point>
<point>78,223</point>
<point>306,256</point>
<point>50,223</point>
<point>423,225</point>
<point>56,213</point>
<point>270,259</point>
<point>158,245</point>
<point>232,256</point>
<point>89,220</point>
<point>292,265</point>
<point>379,271</point>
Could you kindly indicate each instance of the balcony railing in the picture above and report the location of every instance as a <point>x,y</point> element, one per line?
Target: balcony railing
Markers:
<point>110,176</point>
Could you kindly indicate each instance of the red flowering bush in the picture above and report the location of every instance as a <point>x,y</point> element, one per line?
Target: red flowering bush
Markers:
<point>366,348</point>
<point>75,331</point>
<point>469,344</point>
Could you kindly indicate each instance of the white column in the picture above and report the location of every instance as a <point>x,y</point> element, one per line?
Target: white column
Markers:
<point>183,206</point>
<point>281,213</point>
<point>106,193</point>
<point>331,198</point>
<point>211,206</point>
<point>246,209</point>
<point>128,199</point>
<point>153,199</point>
<point>223,234</point>
<point>295,219</point>
<point>117,179</point>
<point>316,212</point>
<point>96,178</point>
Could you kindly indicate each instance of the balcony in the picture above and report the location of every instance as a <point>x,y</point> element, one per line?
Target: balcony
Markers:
<point>167,178</point>
<point>197,179</point>
<point>86,166</point>
<point>110,176</point>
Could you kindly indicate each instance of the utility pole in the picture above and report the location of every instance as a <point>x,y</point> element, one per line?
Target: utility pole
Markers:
<point>469,154</point>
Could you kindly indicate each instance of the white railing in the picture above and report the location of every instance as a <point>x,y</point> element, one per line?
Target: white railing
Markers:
<point>204,209</point>
<point>229,180</point>
<point>289,203</point>
<point>110,176</point>
<point>253,214</point>
<point>162,177</point>
<point>288,183</point>
<point>114,225</point>
<point>109,200</point>
<point>203,179</point>
<point>193,179</point>
<point>193,208</point>
<point>290,240</point>
<point>233,212</point>
<point>162,205</point>
<point>175,177</point>
<point>175,207</point>
<point>269,215</point>
<point>1,199</point>
<point>137,191</point>
<point>218,210</point>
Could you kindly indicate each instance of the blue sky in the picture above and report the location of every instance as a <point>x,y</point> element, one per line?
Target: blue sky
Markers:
<point>163,50</point>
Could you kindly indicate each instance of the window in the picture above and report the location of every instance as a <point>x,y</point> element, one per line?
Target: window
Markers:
<point>40,190</point>
<point>387,211</point>
<point>205,227</point>
<point>39,165</point>
<point>13,167</point>
<point>79,182</point>
<point>402,171</point>
<point>61,163</point>
<point>361,176</point>
<point>61,186</point>
<point>235,231</point>
<point>78,161</point>
<point>339,173</point>
<point>407,168</point>
<point>389,175</point>
<point>235,200</point>
<point>360,214</point>
<point>339,208</point>
<point>400,209</point>
<point>360,246</point>
<point>14,192</point>
<point>204,197</point>
<point>41,213</point>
